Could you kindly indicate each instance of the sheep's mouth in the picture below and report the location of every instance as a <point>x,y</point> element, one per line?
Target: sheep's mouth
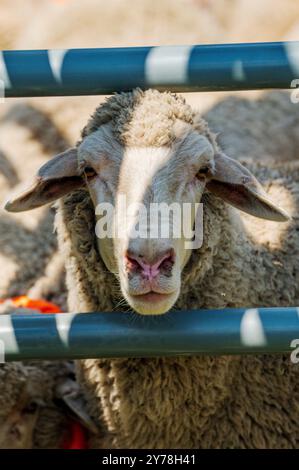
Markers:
<point>152,296</point>
<point>152,303</point>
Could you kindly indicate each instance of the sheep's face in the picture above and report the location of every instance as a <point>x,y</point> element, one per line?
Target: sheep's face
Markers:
<point>153,193</point>
<point>145,203</point>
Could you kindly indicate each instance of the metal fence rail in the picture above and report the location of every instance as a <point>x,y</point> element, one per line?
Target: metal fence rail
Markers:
<point>229,331</point>
<point>178,68</point>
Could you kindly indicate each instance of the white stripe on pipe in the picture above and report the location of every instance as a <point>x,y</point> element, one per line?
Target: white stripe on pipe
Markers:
<point>167,65</point>
<point>4,77</point>
<point>238,71</point>
<point>292,52</point>
<point>56,57</point>
<point>63,324</point>
<point>251,329</point>
<point>8,341</point>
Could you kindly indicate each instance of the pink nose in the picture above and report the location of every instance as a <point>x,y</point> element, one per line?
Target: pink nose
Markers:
<point>138,263</point>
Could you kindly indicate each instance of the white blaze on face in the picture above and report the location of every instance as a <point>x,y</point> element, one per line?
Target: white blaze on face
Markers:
<point>137,172</point>
<point>141,165</point>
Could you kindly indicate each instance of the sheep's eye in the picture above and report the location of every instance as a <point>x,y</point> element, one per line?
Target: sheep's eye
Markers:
<point>89,172</point>
<point>203,171</point>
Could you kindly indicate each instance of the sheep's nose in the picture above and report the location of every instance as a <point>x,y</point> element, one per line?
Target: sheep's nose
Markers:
<point>162,263</point>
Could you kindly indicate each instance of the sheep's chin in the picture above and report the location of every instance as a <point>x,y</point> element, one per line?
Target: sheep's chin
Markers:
<point>150,307</point>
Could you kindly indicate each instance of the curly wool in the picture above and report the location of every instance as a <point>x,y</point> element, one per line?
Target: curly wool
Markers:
<point>223,401</point>
<point>23,384</point>
<point>146,118</point>
<point>13,378</point>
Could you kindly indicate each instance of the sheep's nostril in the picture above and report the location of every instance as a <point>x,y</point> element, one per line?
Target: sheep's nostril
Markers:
<point>166,264</point>
<point>138,264</point>
<point>132,264</point>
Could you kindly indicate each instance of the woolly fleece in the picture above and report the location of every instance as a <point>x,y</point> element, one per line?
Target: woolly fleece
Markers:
<point>247,402</point>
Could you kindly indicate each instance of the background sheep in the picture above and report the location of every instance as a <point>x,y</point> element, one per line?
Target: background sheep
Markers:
<point>39,401</point>
<point>264,129</point>
<point>18,409</point>
<point>224,401</point>
<point>35,415</point>
<point>30,416</point>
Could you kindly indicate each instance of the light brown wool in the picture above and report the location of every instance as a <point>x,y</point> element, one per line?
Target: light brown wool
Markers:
<point>263,129</point>
<point>146,119</point>
<point>190,401</point>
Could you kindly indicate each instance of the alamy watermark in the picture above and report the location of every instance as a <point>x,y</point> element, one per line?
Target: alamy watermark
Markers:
<point>157,220</point>
<point>295,353</point>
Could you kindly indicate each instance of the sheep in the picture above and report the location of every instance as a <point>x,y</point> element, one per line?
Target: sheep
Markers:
<point>265,128</point>
<point>29,416</point>
<point>138,140</point>
<point>29,265</point>
<point>14,401</point>
<point>38,402</point>
<point>35,405</point>
<point>18,244</point>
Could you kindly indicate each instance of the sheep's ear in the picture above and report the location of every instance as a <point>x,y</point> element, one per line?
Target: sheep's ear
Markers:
<point>69,395</point>
<point>236,185</point>
<point>54,179</point>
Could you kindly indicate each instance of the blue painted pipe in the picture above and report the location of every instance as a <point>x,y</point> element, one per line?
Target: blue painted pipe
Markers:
<point>176,68</point>
<point>229,331</point>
